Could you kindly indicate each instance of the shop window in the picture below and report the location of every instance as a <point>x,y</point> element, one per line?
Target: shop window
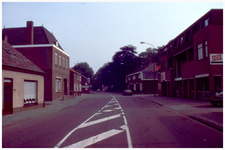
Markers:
<point>217,83</point>
<point>30,92</point>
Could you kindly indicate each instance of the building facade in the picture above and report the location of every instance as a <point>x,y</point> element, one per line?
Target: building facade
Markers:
<point>192,63</point>
<point>143,80</point>
<point>41,47</point>
<point>75,82</point>
<point>23,82</point>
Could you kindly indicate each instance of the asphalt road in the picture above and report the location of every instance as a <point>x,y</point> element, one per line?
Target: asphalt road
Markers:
<point>112,121</point>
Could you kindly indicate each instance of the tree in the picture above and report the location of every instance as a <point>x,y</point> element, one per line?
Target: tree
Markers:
<point>84,69</point>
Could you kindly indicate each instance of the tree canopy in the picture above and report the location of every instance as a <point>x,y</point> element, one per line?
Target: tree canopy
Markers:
<point>84,69</point>
<point>124,61</point>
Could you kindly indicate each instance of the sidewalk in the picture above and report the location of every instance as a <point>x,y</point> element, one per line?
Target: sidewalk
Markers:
<point>50,107</point>
<point>199,110</point>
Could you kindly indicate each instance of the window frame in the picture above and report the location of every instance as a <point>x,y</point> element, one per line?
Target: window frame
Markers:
<point>60,60</point>
<point>58,85</point>
<point>33,100</point>
<point>56,58</point>
<point>206,49</point>
<point>199,51</point>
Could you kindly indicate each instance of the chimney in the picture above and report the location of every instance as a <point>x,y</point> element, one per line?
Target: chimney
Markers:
<point>30,32</point>
<point>5,38</point>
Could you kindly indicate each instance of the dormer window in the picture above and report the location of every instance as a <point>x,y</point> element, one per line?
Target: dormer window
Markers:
<point>57,43</point>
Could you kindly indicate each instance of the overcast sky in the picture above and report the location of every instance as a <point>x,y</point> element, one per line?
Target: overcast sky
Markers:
<point>93,31</point>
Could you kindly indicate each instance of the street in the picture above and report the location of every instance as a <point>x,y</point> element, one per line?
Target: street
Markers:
<point>109,120</point>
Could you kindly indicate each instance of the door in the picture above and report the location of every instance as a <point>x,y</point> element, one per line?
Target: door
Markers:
<point>7,102</point>
<point>65,86</point>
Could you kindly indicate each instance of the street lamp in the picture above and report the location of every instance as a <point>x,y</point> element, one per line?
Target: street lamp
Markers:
<point>153,64</point>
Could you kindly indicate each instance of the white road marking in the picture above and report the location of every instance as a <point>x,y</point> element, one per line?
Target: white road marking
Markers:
<point>99,121</point>
<point>104,135</point>
<point>107,110</point>
<point>95,139</point>
<point>72,132</point>
<point>127,128</point>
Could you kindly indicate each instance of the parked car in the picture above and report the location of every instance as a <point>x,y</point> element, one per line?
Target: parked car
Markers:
<point>98,90</point>
<point>127,92</point>
<point>215,98</point>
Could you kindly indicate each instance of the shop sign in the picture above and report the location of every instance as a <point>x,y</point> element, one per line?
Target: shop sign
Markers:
<point>216,59</point>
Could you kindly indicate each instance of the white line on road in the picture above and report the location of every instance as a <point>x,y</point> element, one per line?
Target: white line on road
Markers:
<point>127,128</point>
<point>99,121</point>
<point>95,139</point>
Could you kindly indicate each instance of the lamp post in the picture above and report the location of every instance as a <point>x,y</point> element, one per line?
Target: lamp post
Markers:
<point>153,64</point>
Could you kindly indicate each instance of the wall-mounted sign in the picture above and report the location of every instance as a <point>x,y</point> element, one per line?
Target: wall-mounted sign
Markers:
<point>216,59</point>
<point>163,77</point>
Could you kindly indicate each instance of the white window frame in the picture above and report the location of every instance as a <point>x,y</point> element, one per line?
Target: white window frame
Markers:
<point>200,51</point>
<point>64,64</point>
<point>56,58</point>
<point>67,63</point>
<point>58,85</point>
<point>60,60</point>
<point>134,77</point>
<point>30,92</point>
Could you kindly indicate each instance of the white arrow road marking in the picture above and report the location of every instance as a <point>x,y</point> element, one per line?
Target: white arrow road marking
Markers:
<point>95,139</point>
<point>99,121</point>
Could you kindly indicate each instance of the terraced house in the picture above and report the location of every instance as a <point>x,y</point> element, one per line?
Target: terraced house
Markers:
<point>192,63</point>
<point>41,47</point>
<point>23,82</point>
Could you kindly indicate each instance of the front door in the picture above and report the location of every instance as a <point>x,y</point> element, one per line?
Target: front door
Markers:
<point>7,105</point>
<point>65,86</point>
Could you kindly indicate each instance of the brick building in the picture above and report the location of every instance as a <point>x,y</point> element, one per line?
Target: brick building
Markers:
<point>41,47</point>
<point>143,81</point>
<point>192,63</point>
<point>23,82</point>
<point>75,82</point>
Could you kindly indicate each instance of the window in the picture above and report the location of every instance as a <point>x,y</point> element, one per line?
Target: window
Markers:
<point>30,92</point>
<point>63,62</point>
<point>60,60</point>
<point>140,86</point>
<point>58,85</point>
<point>206,22</point>
<point>67,63</point>
<point>134,77</point>
<point>199,47</point>
<point>181,41</point>
<point>56,58</point>
<point>206,49</point>
<point>80,88</point>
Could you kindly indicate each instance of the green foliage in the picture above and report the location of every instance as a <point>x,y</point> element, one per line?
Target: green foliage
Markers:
<point>84,69</point>
<point>125,61</point>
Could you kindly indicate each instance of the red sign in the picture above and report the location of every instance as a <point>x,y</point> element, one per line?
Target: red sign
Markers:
<point>216,57</point>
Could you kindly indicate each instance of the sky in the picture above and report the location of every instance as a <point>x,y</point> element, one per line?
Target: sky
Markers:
<point>93,32</point>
